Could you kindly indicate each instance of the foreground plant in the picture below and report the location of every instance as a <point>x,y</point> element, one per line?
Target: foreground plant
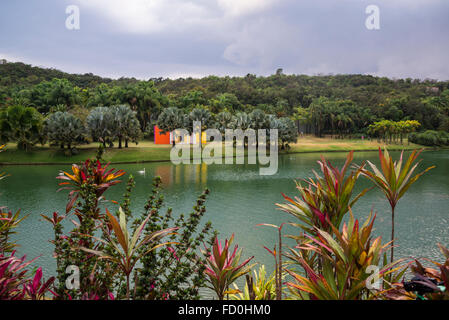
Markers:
<point>223,267</point>
<point>259,287</point>
<point>125,248</point>
<point>87,184</point>
<point>8,222</point>
<point>16,284</point>
<point>37,287</point>
<point>345,261</point>
<point>326,200</point>
<point>427,283</point>
<point>90,172</point>
<point>175,271</point>
<point>277,254</point>
<point>13,272</point>
<point>394,178</point>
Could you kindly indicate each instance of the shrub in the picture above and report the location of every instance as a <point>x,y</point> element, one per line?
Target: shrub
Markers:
<point>224,266</point>
<point>430,138</point>
<point>175,271</point>
<point>344,263</point>
<point>126,262</point>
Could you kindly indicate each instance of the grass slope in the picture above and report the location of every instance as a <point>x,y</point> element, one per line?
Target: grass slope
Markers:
<point>149,152</point>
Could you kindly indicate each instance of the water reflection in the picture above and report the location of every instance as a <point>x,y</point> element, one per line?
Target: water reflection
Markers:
<point>181,174</point>
<point>240,199</point>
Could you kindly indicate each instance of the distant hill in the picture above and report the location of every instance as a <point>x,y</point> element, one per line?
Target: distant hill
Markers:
<point>277,89</point>
<point>335,99</point>
<point>18,73</point>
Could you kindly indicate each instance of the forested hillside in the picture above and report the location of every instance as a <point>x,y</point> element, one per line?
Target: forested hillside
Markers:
<point>330,104</point>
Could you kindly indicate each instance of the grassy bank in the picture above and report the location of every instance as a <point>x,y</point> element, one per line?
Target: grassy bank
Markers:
<point>149,152</point>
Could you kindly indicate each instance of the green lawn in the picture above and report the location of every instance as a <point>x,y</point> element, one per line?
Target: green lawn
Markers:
<point>147,151</point>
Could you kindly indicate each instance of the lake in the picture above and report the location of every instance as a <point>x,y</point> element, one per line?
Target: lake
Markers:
<point>239,200</point>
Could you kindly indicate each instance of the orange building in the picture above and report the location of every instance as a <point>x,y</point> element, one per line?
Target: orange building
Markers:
<point>167,138</point>
<point>161,138</point>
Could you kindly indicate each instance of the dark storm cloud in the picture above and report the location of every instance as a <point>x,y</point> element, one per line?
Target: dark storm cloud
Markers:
<point>150,38</point>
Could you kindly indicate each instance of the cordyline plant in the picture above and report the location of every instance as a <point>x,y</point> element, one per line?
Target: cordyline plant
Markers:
<point>223,267</point>
<point>324,201</point>
<point>126,247</point>
<point>8,222</point>
<point>277,254</point>
<point>435,281</point>
<point>37,287</point>
<point>394,178</point>
<point>14,281</point>
<point>175,271</point>
<point>13,275</point>
<point>15,284</point>
<point>344,260</point>
<point>259,287</point>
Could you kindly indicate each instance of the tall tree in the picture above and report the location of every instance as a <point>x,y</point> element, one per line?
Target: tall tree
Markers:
<point>223,121</point>
<point>146,100</point>
<point>124,122</point>
<point>100,124</point>
<point>64,129</point>
<point>22,125</point>
<point>241,121</point>
<point>202,115</point>
<point>170,119</point>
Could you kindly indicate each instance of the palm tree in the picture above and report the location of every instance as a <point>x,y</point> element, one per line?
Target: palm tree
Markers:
<point>259,121</point>
<point>124,124</point>
<point>202,115</point>
<point>317,114</point>
<point>100,123</point>
<point>21,124</point>
<point>241,121</point>
<point>170,119</point>
<point>133,132</point>
<point>302,116</point>
<point>63,128</point>
<point>223,121</point>
<point>288,132</point>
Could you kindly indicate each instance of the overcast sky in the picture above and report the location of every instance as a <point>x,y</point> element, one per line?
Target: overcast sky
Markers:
<point>180,38</point>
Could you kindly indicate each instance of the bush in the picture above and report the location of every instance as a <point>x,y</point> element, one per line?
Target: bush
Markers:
<point>430,138</point>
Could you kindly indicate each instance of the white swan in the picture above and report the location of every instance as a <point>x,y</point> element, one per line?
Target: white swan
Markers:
<point>142,171</point>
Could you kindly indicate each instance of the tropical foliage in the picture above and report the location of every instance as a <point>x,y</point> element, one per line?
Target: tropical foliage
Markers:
<point>430,138</point>
<point>175,271</point>
<point>259,287</point>
<point>100,125</point>
<point>125,126</point>
<point>325,200</point>
<point>22,125</point>
<point>64,129</point>
<point>126,248</point>
<point>153,258</point>
<point>394,179</point>
<point>344,259</point>
<point>223,266</point>
<point>391,131</point>
<point>171,119</point>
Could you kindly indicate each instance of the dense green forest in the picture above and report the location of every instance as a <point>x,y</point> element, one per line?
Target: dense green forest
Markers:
<point>339,105</point>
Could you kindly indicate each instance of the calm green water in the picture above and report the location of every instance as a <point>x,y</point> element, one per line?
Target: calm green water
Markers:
<point>239,200</point>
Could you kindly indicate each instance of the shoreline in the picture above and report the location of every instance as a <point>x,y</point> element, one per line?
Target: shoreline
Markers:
<point>224,157</point>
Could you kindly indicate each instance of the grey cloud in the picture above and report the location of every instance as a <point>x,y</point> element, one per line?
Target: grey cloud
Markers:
<point>230,37</point>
